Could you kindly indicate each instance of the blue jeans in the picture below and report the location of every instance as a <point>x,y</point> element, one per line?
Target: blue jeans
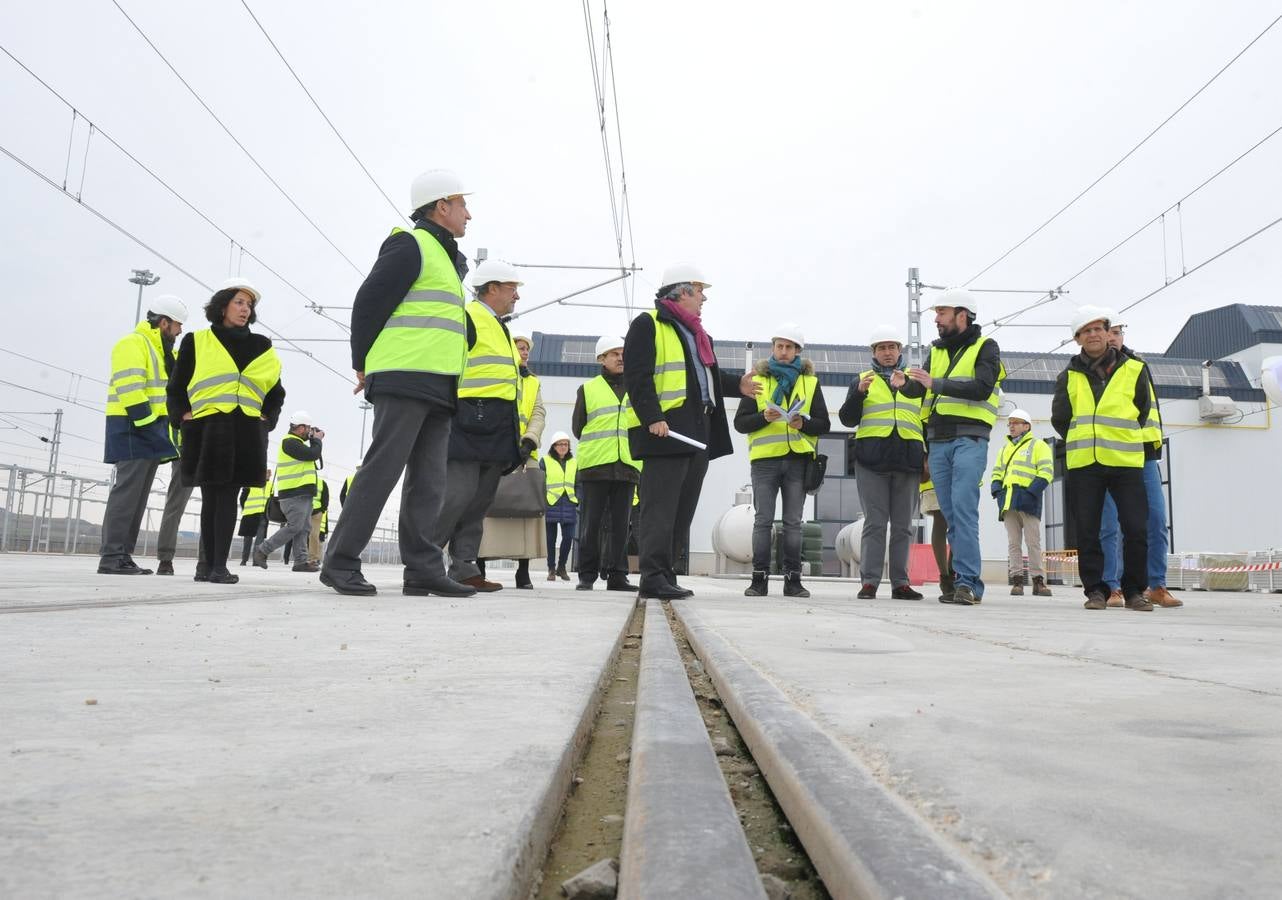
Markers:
<point>956,468</point>
<point>1158,533</point>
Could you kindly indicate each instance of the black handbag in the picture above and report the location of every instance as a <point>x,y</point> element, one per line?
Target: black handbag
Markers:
<point>522,494</point>
<point>274,512</point>
<point>816,468</point>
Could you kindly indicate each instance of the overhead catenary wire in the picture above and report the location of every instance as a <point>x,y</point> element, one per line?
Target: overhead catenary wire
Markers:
<point>1128,154</point>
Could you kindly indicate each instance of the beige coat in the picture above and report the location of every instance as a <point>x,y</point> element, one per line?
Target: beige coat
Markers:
<point>519,538</point>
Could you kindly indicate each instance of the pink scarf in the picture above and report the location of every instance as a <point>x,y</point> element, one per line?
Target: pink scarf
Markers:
<point>695,325</point>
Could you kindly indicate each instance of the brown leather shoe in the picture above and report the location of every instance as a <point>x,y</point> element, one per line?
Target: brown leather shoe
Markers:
<point>1139,603</point>
<point>1116,599</point>
<point>1160,596</point>
<point>479,582</point>
<point>1096,600</point>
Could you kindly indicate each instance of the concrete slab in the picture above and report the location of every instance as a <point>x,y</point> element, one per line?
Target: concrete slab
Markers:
<point>1072,753</point>
<point>274,738</point>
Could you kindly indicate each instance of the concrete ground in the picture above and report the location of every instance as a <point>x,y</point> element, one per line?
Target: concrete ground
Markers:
<point>275,738</point>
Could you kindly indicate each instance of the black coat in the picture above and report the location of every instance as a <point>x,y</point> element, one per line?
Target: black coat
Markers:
<point>884,454</point>
<point>689,418</point>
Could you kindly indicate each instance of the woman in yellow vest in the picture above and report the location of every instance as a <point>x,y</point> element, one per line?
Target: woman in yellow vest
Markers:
<point>226,391</point>
<point>253,517</point>
<point>783,424</point>
<point>563,503</point>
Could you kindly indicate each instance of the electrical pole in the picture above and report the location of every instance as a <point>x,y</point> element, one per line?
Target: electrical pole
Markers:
<point>914,317</point>
<point>142,278</point>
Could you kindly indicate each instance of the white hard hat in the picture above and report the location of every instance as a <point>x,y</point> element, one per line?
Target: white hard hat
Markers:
<point>435,184</point>
<point>559,436</point>
<point>958,297</point>
<point>1109,313</point>
<point>885,334</point>
<point>790,331</point>
<point>1085,315</point>
<point>241,284</point>
<point>495,270</point>
<point>606,343</point>
<point>1020,414</point>
<point>169,306</point>
<point>518,336</point>
<point>301,417</point>
<point>680,273</point>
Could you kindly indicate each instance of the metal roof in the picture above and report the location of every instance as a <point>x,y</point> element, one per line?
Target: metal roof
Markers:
<point>574,356</point>
<point>1217,333</point>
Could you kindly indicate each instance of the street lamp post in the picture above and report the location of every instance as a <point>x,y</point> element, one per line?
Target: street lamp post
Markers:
<point>142,278</point>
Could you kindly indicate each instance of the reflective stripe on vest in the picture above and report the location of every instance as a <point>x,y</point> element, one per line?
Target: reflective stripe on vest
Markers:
<point>493,363</point>
<point>255,502</point>
<point>427,332</point>
<point>779,438</point>
<point>560,480</point>
<point>669,370</point>
<point>218,387</point>
<point>605,436</point>
<point>293,473</point>
<point>529,397</point>
<point>1108,433</point>
<point>886,412</point>
<point>1020,462</point>
<point>137,375</point>
<point>941,366</point>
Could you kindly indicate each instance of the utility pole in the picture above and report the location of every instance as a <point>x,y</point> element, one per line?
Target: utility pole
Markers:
<point>914,317</point>
<point>42,526</point>
<point>142,278</point>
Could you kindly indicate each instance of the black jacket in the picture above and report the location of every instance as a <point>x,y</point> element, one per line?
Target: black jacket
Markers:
<point>1062,407</point>
<point>892,453</point>
<point>689,418</point>
<point>987,368</point>
<point>615,471</point>
<point>748,418</point>
<point>395,271</point>
<point>307,449</point>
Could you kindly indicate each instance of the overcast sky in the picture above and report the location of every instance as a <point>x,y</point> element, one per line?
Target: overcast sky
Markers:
<point>804,158</point>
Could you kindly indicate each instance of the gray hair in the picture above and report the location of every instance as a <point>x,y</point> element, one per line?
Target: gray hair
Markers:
<point>674,291</point>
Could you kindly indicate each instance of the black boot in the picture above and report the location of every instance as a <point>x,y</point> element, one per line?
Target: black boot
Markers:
<point>792,585</point>
<point>760,586</point>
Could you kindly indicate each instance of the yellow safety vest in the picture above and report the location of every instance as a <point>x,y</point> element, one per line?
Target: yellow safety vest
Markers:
<point>886,412</point>
<point>669,370</point>
<point>137,375</point>
<point>1020,462</point>
<point>426,332</point>
<point>255,502</point>
<point>779,438</point>
<point>493,363</point>
<point>529,397</point>
<point>1108,433</point>
<point>217,386</point>
<point>963,369</point>
<point>316,498</point>
<point>560,479</point>
<point>605,436</point>
<point>1152,431</point>
<point>293,473</point>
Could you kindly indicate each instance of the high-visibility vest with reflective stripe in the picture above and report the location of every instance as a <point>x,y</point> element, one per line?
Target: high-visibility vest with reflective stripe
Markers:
<point>529,399</point>
<point>984,411</point>
<point>255,502</point>
<point>320,492</point>
<point>1108,433</point>
<point>604,439</point>
<point>293,473</point>
<point>560,478</point>
<point>427,332</point>
<point>138,375</point>
<point>926,486</point>
<point>779,438</point>
<point>669,370</point>
<point>886,412</point>
<point>493,363</point>
<point>217,386</point>
<point>1020,462</point>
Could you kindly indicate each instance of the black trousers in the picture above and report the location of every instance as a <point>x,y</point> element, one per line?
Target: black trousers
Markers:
<point>1086,488</point>
<point>670,488</point>
<point>603,504</point>
<point>218,511</point>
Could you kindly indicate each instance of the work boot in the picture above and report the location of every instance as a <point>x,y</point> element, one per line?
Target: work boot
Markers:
<point>867,592</point>
<point>1116,599</point>
<point>1017,586</point>
<point>792,586</point>
<point>1160,596</point>
<point>1139,603</point>
<point>760,586</point>
<point>260,557</point>
<point>904,592</point>
<point>165,567</point>
<point>963,596</point>
<point>561,573</point>
<point>1096,600</point>
<point>551,574</point>
<point>1039,587</point>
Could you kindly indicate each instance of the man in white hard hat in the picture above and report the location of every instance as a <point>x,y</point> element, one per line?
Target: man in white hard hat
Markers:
<point>409,347</point>
<point>485,438</point>
<point>608,475</point>
<point>780,448</point>
<point>1101,401</point>
<point>1024,469</point>
<point>676,388</point>
<point>959,410</point>
<point>298,487</point>
<point>884,406</point>
<point>138,434</point>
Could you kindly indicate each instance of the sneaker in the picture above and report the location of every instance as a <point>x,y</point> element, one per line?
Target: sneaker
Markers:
<point>1116,600</point>
<point>1017,586</point>
<point>1097,600</point>
<point>1039,587</point>
<point>867,592</point>
<point>946,596</point>
<point>760,586</point>
<point>904,592</point>
<point>1160,596</point>
<point>165,567</point>
<point>1139,603</point>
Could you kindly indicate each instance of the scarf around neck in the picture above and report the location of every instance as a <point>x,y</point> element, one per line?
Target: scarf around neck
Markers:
<point>886,371</point>
<point>694,325</point>
<point>785,376</point>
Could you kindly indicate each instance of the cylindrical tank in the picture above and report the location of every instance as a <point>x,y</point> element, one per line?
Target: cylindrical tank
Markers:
<point>732,535</point>
<point>1271,378</point>
<point>848,541</point>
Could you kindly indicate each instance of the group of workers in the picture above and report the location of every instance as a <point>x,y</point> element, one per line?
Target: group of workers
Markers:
<point>456,409</point>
